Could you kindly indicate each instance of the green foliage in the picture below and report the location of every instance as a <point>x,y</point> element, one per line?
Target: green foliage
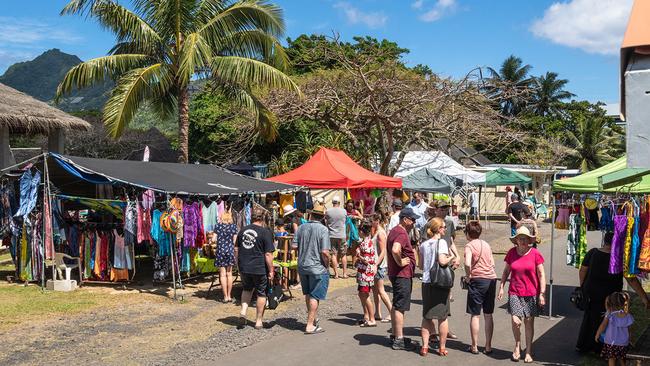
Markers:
<point>594,138</point>
<point>309,53</point>
<point>161,46</point>
<point>549,94</point>
<point>213,125</point>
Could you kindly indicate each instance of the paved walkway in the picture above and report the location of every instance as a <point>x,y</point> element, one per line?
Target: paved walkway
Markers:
<point>344,343</point>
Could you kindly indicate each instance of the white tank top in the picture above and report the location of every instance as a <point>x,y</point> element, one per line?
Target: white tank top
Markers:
<point>375,242</point>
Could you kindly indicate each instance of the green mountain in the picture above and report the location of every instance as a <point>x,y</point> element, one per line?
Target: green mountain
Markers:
<point>40,77</point>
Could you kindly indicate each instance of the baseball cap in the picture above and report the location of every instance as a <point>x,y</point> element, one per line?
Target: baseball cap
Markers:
<point>397,203</point>
<point>408,212</point>
<point>336,199</point>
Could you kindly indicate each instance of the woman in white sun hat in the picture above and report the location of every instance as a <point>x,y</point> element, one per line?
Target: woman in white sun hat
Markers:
<point>525,267</point>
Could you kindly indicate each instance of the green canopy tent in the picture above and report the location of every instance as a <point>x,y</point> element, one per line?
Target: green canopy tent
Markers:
<point>502,177</point>
<point>589,181</point>
<point>431,180</point>
<point>505,177</point>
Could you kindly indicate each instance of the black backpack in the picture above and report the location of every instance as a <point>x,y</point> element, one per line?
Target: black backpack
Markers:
<point>274,296</point>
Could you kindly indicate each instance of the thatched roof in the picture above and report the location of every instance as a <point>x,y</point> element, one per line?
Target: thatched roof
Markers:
<point>22,113</point>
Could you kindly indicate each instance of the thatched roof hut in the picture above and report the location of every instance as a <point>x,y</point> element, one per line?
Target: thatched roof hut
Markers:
<point>24,114</point>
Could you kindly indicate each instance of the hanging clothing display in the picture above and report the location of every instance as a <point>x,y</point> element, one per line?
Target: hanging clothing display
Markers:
<point>7,209</point>
<point>581,249</point>
<point>563,218</point>
<point>28,192</point>
<point>572,241</point>
<point>618,244</point>
<point>130,223</point>
<point>635,248</point>
<point>606,219</point>
<point>210,216</point>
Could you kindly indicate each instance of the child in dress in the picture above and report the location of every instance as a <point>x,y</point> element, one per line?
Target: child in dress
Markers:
<point>366,269</point>
<point>616,328</point>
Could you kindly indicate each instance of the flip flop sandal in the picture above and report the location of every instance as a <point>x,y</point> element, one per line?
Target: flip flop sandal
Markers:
<point>368,325</point>
<point>442,352</point>
<point>488,352</point>
<point>472,351</point>
<point>386,320</point>
<point>451,335</point>
<point>316,331</point>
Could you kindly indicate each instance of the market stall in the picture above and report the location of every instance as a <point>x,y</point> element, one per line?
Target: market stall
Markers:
<point>576,202</point>
<point>101,212</point>
<point>431,181</point>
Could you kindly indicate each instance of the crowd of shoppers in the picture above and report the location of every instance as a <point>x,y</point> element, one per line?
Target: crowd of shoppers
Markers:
<point>387,252</point>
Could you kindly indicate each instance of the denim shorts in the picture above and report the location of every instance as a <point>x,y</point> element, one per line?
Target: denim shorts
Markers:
<point>315,286</point>
<point>381,274</point>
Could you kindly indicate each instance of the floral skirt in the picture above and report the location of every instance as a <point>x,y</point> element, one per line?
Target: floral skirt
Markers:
<point>612,351</point>
<point>225,256</point>
<point>523,306</point>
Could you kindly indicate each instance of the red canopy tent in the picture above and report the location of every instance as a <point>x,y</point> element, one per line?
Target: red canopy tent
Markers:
<point>333,169</point>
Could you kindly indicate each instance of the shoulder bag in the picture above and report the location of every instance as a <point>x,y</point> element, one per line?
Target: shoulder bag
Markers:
<point>464,280</point>
<point>441,276</point>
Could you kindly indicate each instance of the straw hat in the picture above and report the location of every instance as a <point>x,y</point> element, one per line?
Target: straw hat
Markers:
<point>521,231</point>
<point>320,211</point>
<point>288,210</point>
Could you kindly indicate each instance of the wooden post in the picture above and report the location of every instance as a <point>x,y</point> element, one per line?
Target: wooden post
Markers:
<point>56,141</point>
<point>5,151</point>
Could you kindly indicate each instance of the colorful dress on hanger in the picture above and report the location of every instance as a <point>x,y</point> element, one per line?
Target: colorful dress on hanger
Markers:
<point>635,249</point>
<point>618,244</point>
<point>210,216</point>
<point>581,250</point>
<point>572,241</point>
<point>627,248</point>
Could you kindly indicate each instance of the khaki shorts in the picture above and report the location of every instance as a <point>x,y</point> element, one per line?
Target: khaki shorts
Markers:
<point>338,245</point>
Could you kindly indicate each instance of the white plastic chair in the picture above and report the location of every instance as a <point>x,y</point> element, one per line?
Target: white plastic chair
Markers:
<point>62,265</point>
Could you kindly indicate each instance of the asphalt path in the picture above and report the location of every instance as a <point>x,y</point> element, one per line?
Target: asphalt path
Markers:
<point>345,343</point>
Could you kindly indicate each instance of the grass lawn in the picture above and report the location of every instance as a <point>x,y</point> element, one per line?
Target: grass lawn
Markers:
<point>19,303</point>
<point>641,323</point>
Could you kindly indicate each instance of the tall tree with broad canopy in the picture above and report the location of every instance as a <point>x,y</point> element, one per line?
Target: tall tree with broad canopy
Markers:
<point>162,45</point>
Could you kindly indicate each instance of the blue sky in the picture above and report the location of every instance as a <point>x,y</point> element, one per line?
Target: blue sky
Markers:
<point>579,39</point>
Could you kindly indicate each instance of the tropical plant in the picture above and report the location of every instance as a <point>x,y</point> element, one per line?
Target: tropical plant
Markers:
<point>594,140</point>
<point>549,94</point>
<point>510,86</point>
<point>163,45</point>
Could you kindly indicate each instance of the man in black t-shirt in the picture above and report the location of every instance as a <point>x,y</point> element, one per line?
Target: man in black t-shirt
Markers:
<point>516,212</point>
<point>254,253</point>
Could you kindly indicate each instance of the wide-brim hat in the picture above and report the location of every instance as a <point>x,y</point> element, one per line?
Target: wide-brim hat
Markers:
<point>521,231</point>
<point>320,210</point>
<point>288,210</point>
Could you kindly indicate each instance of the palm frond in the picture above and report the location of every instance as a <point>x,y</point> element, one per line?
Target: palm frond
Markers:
<point>254,44</point>
<point>195,56</point>
<point>266,123</point>
<point>124,23</point>
<point>251,73</point>
<point>98,70</point>
<point>131,90</point>
<point>245,15</point>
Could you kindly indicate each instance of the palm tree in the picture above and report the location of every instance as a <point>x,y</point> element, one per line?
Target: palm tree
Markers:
<point>510,86</point>
<point>162,45</point>
<point>593,144</point>
<point>548,94</point>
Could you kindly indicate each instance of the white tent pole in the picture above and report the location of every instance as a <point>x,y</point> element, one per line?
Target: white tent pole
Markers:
<point>550,291</point>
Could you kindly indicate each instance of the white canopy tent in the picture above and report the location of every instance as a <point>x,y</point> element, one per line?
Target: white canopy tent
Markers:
<point>437,160</point>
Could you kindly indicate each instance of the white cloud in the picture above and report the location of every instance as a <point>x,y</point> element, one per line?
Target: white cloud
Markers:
<point>25,32</point>
<point>437,11</point>
<point>22,39</point>
<point>417,4</point>
<point>357,16</point>
<point>593,26</point>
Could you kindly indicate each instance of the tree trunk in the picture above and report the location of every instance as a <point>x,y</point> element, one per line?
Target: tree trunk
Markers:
<point>183,125</point>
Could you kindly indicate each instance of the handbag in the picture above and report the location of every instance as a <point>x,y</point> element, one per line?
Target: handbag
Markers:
<point>578,297</point>
<point>441,276</point>
<point>464,280</point>
<point>275,295</point>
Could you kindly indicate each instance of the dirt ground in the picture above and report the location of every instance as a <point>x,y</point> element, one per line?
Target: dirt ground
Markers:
<point>143,325</point>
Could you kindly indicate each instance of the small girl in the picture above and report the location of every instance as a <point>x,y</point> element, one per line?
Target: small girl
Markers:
<point>366,269</point>
<point>616,327</point>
